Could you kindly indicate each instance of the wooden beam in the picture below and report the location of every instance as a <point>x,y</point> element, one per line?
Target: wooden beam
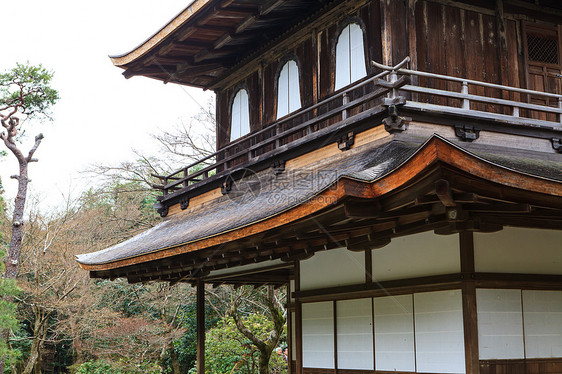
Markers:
<point>200,327</point>
<point>198,70</point>
<point>443,191</point>
<point>246,23</point>
<point>222,41</point>
<point>269,6</point>
<point>395,287</point>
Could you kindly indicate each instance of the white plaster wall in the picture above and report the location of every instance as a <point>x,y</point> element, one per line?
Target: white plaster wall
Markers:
<point>335,267</point>
<point>417,255</point>
<point>355,334</point>
<point>519,250</point>
<point>394,333</point>
<point>318,335</point>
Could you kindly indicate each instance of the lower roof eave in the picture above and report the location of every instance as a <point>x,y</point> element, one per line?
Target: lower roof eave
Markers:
<point>498,181</point>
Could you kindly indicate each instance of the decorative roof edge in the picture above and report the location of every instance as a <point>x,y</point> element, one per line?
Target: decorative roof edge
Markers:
<point>153,41</point>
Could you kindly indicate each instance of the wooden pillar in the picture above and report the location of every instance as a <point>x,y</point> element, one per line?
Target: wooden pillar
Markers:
<point>290,347</point>
<point>298,321</point>
<point>200,327</point>
<point>470,322</point>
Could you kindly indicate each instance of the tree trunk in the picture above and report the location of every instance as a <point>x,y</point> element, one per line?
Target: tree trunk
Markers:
<point>5,335</point>
<point>174,359</point>
<point>17,223</point>
<point>39,333</point>
<point>263,367</point>
<point>16,239</point>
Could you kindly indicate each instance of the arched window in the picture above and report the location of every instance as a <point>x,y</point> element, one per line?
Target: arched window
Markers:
<point>350,56</point>
<point>288,89</point>
<point>240,123</point>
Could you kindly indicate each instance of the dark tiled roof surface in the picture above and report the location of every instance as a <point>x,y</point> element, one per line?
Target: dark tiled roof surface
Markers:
<point>259,196</point>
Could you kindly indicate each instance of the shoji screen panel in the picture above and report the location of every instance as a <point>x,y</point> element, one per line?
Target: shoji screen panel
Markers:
<point>318,335</point>
<point>500,324</point>
<point>394,333</point>
<point>355,334</point>
<point>439,332</point>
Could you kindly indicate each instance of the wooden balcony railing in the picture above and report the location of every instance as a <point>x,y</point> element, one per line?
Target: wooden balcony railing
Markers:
<point>345,107</point>
<point>427,92</point>
<point>478,99</point>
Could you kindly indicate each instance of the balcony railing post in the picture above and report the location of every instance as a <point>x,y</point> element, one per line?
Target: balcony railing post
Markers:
<point>560,107</point>
<point>275,133</point>
<point>393,78</point>
<point>464,91</point>
<point>345,101</point>
<point>515,111</point>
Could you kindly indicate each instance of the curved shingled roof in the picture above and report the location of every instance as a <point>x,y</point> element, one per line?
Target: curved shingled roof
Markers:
<point>265,197</point>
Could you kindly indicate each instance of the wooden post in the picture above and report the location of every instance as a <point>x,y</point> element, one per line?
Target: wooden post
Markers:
<point>470,322</point>
<point>200,327</point>
<point>298,321</point>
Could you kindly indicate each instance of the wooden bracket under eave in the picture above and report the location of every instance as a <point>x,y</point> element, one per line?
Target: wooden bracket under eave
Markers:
<point>467,133</point>
<point>557,144</point>
<point>346,142</point>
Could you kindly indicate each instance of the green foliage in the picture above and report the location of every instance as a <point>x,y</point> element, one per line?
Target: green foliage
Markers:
<point>186,346</point>
<point>27,89</point>
<point>116,367</point>
<point>8,320</point>
<point>105,367</point>
<point>97,367</point>
<point>228,351</point>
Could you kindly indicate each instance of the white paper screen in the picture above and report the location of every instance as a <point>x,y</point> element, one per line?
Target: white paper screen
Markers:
<point>542,314</point>
<point>350,56</point>
<point>240,123</point>
<point>500,325</point>
<point>318,335</point>
<point>394,333</point>
<point>357,52</point>
<point>355,334</point>
<point>288,89</point>
<point>439,332</point>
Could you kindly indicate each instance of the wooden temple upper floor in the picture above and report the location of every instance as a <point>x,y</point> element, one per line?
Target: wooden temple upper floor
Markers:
<point>291,75</point>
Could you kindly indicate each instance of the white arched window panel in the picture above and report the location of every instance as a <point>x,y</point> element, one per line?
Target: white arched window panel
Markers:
<point>240,123</point>
<point>288,89</point>
<point>350,56</point>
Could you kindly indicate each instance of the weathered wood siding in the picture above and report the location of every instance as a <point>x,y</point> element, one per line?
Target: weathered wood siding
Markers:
<point>478,40</point>
<point>475,43</point>
<point>315,58</point>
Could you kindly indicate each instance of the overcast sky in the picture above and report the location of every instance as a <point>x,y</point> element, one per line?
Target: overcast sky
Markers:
<point>101,115</point>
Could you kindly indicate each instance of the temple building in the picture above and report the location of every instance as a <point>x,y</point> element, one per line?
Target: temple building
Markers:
<point>396,163</point>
